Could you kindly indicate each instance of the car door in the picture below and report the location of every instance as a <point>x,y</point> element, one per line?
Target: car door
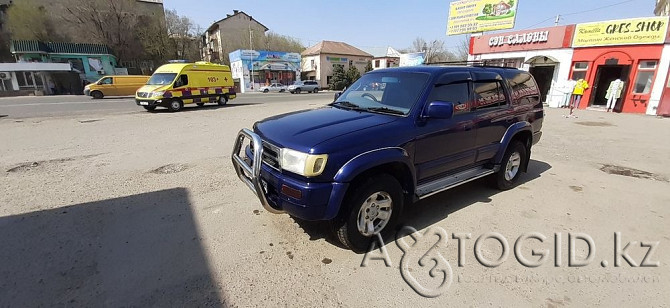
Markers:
<point>106,86</point>
<point>492,113</point>
<point>445,146</point>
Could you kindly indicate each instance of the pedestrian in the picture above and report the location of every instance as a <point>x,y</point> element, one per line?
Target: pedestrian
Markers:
<point>613,93</point>
<point>52,86</point>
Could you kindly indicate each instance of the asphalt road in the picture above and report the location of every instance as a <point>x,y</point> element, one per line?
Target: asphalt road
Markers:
<point>74,105</point>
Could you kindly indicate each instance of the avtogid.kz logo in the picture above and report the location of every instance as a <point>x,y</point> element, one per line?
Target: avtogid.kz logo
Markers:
<point>427,248</point>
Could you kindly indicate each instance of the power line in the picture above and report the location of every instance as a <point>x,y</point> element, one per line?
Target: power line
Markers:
<point>580,12</point>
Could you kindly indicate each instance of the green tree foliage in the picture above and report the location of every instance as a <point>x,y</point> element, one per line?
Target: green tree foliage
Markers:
<point>511,2</point>
<point>368,67</point>
<point>488,9</point>
<point>339,79</point>
<point>352,75</point>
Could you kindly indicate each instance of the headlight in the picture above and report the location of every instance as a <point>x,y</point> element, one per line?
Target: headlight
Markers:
<point>302,163</point>
<point>159,93</point>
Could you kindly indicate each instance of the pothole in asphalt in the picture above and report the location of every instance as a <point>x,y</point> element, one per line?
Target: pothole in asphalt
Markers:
<point>170,168</point>
<point>625,171</point>
<point>25,167</point>
<point>591,123</point>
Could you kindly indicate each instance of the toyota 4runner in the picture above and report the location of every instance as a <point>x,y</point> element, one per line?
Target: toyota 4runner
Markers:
<point>394,137</point>
<point>304,86</point>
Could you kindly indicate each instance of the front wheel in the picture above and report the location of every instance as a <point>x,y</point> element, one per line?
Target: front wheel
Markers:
<point>372,208</point>
<point>175,105</point>
<point>97,95</point>
<point>510,169</point>
<point>266,91</point>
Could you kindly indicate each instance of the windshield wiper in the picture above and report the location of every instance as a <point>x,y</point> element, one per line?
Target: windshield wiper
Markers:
<point>385,110</point>
<point>348,105</point>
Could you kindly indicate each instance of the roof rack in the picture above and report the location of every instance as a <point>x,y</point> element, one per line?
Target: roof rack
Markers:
<point>478,63</point>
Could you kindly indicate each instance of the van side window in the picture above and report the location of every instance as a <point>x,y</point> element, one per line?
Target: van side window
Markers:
<point>107,80</point>
<point>489,94</point>
<point>182,81</point>
<point>456,93</point>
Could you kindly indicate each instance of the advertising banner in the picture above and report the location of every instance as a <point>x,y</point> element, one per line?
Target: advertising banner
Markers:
<point>471,16</point>
<point>645,30</point>
<point>412,59</point>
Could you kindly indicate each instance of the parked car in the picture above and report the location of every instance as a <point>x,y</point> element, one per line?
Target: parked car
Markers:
<point>377,149</point>
<point>121,85</point>
<point>310,86</point>
<point>275,87</point>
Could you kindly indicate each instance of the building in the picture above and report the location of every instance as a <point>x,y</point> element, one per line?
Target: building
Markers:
<point>318,61</point>
<point>35,78</point>
<point>222,36</point>
<point>390,59</point>
<point>598,53</point>
<point>266,67</point>
<point>546,53</point>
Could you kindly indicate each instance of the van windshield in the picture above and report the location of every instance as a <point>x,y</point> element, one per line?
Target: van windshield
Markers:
<point>161,78</point>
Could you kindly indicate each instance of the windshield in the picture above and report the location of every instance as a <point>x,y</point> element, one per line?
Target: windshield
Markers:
<point>161,78</point>
<point>297,83</point>
<point>395,92</point>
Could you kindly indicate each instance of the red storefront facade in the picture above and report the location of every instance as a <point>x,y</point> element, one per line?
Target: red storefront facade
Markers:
<point>636,65</point>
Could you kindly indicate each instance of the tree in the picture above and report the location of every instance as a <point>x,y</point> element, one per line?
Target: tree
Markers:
<point>434,50</point>
<point>368,67</point>
<point>339,79</point>
<point>488,9</point>
<point>463,49</point>
<point>352,75</point>
<point>29,20</point>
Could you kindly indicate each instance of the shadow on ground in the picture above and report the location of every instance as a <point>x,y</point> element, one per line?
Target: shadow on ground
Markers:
<point>140,250</point>
<point>193,108</point>
<point>430,211</point>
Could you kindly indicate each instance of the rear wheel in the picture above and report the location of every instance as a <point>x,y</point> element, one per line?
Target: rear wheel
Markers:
<point>175,105</point>
<point>266,91</point>
<point>316,90</point>
<point>297,91</point>
<point>97,95</point>
<point>150,108</point>
<point>510,169</point>
<point>370,209</point>
<point>223,100</point>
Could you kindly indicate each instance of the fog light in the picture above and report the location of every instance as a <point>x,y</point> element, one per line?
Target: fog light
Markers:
<point>291,192</point>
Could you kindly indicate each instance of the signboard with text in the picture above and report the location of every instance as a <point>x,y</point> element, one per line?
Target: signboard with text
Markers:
<point>633,31</point>
<point>470,16</point>
<point>544,38</point>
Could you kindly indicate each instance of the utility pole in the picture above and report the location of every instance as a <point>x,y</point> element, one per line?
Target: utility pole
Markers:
<point>251,56</point>
<point>558,18</point>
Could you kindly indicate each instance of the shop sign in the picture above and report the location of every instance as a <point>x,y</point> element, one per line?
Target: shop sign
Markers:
<point>336,59</point>
<point>634,31</point>
<point>519,39</point>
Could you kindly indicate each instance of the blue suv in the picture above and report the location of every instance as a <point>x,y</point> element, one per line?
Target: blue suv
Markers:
<point>392,138</point>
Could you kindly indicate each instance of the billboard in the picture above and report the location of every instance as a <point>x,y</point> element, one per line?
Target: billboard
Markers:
<point>645,30</point>
<point>471,16</point>
<point>412,59</point>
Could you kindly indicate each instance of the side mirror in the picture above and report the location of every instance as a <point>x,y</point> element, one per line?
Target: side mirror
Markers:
<point>440,110</point>
<point>337,95</point>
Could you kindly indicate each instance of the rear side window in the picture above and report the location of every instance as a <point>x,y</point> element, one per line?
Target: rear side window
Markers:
<point>489,94</point>
<point>524,88</point>
<point>456,93</point>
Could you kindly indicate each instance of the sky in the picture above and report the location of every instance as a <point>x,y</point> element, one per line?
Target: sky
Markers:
<point>374,25</point>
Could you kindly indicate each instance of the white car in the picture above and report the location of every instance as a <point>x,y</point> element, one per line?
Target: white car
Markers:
<point>276,87</point>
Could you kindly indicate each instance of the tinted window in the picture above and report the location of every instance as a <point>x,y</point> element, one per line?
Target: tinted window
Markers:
<point>489,94</point>
<point>456,93</point>
<point>524,89</point>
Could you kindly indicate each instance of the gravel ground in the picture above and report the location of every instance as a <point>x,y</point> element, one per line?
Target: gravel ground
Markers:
<point>145,209</point>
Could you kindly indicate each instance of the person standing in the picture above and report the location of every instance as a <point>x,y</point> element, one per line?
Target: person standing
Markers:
<point>613,93</point>
<point>577,94</point>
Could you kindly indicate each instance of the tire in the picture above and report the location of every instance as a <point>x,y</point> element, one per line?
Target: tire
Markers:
<point>266,91</point>
<point>316,90</point>
<point>97,95</point>
<point>359,203</point>
<point>510,170</point>
<point>149,108</point>
<point>223,100</point>
<point>297,91</point>
<point>175,105</point>
<point>282,91</point>
<point>200,104</point>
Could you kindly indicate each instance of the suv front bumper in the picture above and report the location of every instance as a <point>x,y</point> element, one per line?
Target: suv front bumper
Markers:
<point>277,192</point>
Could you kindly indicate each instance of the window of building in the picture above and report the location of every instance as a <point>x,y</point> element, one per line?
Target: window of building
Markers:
<point>28,80</point>
<point>644,78</point>
<point>456,93</point>
<point>376,63</point>
<point>489,94</point>
<point>351,62</point>
<point>579,70</point>
<point>328,78</point>
<point>313,66</point>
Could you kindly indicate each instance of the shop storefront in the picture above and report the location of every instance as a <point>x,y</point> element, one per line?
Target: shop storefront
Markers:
<point>628,50</point>
<point>546,53</point>
<point>252,69</point>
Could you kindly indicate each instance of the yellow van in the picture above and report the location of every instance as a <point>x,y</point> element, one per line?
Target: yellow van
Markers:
<point>122,85</point>
<point>176,84</point>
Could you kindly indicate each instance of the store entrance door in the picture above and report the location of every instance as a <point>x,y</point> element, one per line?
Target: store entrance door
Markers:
<point>604,76</point>
<point>543,76</point>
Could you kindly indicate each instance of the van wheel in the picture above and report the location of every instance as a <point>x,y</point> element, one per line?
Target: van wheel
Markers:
<point>150,108</point>
<point>223,100</point>
<point>200,104</point>
<point>97,95</point>
<point>510,169</point>
<point>175,105</point>
<point>371,208</point>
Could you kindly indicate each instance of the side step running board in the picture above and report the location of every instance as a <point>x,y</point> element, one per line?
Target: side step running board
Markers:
<point>440,185</point>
